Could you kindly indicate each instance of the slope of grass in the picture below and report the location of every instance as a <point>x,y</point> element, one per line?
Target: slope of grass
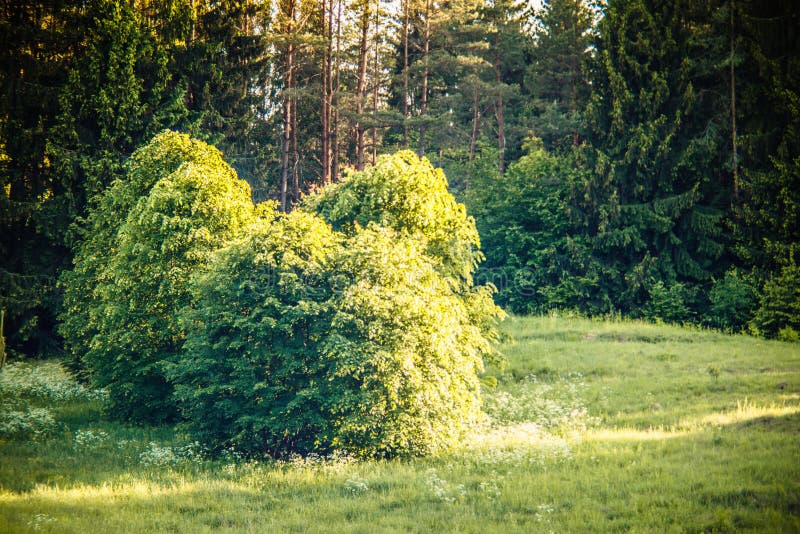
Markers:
<point>593,426</point>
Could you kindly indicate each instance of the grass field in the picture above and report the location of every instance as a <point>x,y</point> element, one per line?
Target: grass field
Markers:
<point>593,427</point>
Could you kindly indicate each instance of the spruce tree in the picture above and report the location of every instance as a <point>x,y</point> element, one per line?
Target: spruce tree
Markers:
<point>650,205</point>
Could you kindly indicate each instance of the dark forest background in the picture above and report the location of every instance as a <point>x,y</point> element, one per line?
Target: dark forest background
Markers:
<point>635,157</point>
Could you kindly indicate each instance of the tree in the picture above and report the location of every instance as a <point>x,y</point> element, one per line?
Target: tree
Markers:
<point>652,209</point>
<point>37,39</point>
<point>179,203</point>
<point>556,78</point>
<point>768,119</point>
<point>224,68</point>
<point>307,339</point>
<point>119,94</point>
<point>502,18</point>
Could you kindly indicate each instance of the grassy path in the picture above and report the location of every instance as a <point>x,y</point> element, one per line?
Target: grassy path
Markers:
<point>593,427</point>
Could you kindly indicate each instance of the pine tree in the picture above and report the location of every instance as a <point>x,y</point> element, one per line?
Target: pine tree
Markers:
<point>556,77</point>
<point>37,41</point>
<point>768,114</point>
<point>651,202</point>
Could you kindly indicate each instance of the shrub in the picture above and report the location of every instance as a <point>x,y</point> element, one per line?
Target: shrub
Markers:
<point>98,234</point>
<point>26,423</point>
<point>667,304</point>
<point>779,307</point>
<point>43,381</point>
<point>251,375</point>
<point>136,279</point>
<point>405,350</point>
<point>369,340</point>
<point>733,299</point>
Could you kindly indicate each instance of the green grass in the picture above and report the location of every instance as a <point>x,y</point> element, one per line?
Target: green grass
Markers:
<point>594,426</point>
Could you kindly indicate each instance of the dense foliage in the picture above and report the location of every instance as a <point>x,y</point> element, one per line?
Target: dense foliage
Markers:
<point>305,339</point>
<point>252,374</point>
<point>674,126</point>
<point>536,253</point>
<point>410,196</point>
<point>149,234</point>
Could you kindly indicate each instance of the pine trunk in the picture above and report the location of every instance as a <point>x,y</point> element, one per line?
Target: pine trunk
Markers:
<point>733,114</point>
<point>476,117</point>
<point>287,126</point>
<point>375,83</point>
<point>405,72</point>
<point>501,134</point>
<point>326,86</point>
<point>423,108</point>
<point>361,88</point>
<point>335,95</point>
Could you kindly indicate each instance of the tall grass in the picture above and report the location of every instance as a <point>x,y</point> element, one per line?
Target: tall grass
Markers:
<point>594,426</point>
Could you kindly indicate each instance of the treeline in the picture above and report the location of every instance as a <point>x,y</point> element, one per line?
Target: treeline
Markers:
<point>637,157</point>
<point>678,197</point>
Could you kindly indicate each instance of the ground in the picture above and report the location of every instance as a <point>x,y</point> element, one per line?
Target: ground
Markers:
<point>593,426</point>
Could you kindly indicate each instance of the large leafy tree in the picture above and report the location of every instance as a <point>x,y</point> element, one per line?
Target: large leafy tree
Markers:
<point>368,339</point>
<point>149,234</point>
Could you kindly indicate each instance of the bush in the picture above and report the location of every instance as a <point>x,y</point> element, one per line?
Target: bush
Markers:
<point>305,339</point>
<point>405,350</point>
<point>409,195</point>
<point>43,381</point>
<point>26,423</point>
<point>733,301</point>
<point>667,304</point>
<point>182,202</point>
<point>779,307</point>
<point>252,374</point>
<point>98,232</point>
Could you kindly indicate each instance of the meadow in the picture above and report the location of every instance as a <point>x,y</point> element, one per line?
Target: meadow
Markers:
<point>600,426</point>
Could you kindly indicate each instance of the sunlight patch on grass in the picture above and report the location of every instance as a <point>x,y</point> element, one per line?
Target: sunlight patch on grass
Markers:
<point>632,434</point>
<point>746,411</point>
<point>139,489</point>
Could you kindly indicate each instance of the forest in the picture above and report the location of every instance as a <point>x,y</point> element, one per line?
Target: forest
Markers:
<point>635,158</point>
<point>399,265</point>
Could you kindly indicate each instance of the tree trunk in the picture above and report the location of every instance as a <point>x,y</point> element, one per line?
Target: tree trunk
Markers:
<point>326,93</point>
<point>423,108</point>
<point>288,108</point>
<point>287,125</point>
<point>406,10</point>
<point>335,95</point>
<point>574,73</point>
<point>295,153</point>
<point>361,88</point>
<point>733,115</point>
<point>476,117</point>
<point>375,83</point>
<point>501,135</point>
